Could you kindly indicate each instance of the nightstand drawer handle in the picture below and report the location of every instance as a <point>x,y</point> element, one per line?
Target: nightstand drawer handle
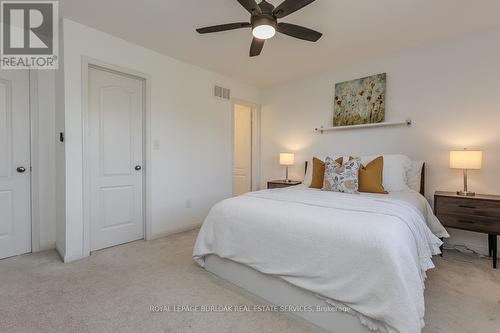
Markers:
<point>465,206</point>
<point>466,221</point>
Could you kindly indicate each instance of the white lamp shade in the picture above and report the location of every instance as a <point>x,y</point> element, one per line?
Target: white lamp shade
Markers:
<point>466,159</point>
<point>287,159</point>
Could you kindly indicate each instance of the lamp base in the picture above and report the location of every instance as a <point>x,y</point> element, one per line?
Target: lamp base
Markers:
<point>466,193</point>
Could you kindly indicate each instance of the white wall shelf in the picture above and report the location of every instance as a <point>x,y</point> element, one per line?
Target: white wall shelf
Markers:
<point>321,130</point>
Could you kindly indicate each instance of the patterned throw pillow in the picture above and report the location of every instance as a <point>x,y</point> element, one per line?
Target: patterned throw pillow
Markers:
<point>341,177</point>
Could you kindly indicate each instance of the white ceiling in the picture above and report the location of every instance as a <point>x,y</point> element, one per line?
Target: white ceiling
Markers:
<point>353,31</point>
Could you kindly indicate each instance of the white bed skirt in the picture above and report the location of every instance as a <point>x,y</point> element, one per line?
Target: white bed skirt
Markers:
<point>278,292</point>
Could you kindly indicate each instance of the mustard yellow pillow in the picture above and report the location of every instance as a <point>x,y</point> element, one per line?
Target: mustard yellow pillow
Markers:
<point>370,177</point>
<point>318,172</point>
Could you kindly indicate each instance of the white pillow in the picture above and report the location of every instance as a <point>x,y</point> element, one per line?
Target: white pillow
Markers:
<point>395,169</point>
<point>308,177</point>
<point>414,174</point>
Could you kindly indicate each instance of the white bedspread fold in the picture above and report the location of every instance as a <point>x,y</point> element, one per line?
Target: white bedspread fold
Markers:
<point>367,252</point>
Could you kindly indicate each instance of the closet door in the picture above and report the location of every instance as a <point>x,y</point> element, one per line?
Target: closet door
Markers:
<point>116,108</point>
<point>15,203</point>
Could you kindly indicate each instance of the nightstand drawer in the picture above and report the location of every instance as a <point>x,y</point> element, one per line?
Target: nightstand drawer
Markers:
<point>275,185</point>
<point>479,213</point>
<point>468,207</point>
<point>470,222</point>
<point>282,183</point>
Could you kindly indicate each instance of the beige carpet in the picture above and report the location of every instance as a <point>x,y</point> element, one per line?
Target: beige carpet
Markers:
<point>112,291</point>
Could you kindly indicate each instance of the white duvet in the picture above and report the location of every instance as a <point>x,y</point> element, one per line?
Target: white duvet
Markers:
<point>369,252</point>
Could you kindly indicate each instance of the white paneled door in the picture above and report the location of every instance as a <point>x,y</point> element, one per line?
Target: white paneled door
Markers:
<point>15,207</point>
<point>116,108</point>
<point>242,164</point>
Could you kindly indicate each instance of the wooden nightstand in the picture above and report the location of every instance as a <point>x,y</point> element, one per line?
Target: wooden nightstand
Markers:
<point>282,183</point>
<point>480,213</point>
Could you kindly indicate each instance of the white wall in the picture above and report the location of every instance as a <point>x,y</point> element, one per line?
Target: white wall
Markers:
<point>451,92</point>
<point>193,129</point>
<point>45,142</point>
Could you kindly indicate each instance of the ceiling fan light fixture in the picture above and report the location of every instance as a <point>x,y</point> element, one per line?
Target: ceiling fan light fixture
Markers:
<point>264,26</point>
<point>264,23</point>
<point>264,31</point>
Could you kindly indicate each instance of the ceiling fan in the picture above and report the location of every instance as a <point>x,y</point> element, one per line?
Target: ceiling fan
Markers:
<point>264,23</point>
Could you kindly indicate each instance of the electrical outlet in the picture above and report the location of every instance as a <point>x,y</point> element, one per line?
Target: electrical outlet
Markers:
<point>156,145</point>
<point>188,203</point>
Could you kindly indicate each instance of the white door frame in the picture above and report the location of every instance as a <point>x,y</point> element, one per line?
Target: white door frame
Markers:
<point>255,141</point>
<point>88,63</point>
<point>33,167</point>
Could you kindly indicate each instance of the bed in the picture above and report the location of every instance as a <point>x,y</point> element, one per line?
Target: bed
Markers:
<point>365,256</point>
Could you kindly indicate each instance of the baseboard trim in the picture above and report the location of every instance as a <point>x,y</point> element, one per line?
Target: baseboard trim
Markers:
<point>175,231</point>
<point>479,249</point>
<point>67,259</point>
<point>47,247</point>
<point>60,252</point>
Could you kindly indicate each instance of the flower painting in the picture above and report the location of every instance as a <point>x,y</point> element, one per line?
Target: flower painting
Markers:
<point>360,101</point>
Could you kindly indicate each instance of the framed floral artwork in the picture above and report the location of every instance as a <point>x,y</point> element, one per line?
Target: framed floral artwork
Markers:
<point>360,101</point>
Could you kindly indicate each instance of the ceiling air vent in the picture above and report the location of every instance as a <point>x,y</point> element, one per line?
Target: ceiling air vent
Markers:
<point>221,92</point>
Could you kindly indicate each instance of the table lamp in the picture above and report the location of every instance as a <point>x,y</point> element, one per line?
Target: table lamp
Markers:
<point>287,159</point>
<point>466,160</point>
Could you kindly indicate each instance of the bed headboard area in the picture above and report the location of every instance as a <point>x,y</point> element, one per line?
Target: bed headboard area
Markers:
<point>422,181</point>
<point>422,177</point>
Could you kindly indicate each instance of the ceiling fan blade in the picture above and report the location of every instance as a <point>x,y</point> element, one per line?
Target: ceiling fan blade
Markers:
<point>289,6</point>
<point>256,47</point>
<point>299,32</point>
<point>223,27</point>
<point>251,6</point>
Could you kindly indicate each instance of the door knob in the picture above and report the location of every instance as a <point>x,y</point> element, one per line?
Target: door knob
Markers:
<point>138,167</point>
<point>21,169</point>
